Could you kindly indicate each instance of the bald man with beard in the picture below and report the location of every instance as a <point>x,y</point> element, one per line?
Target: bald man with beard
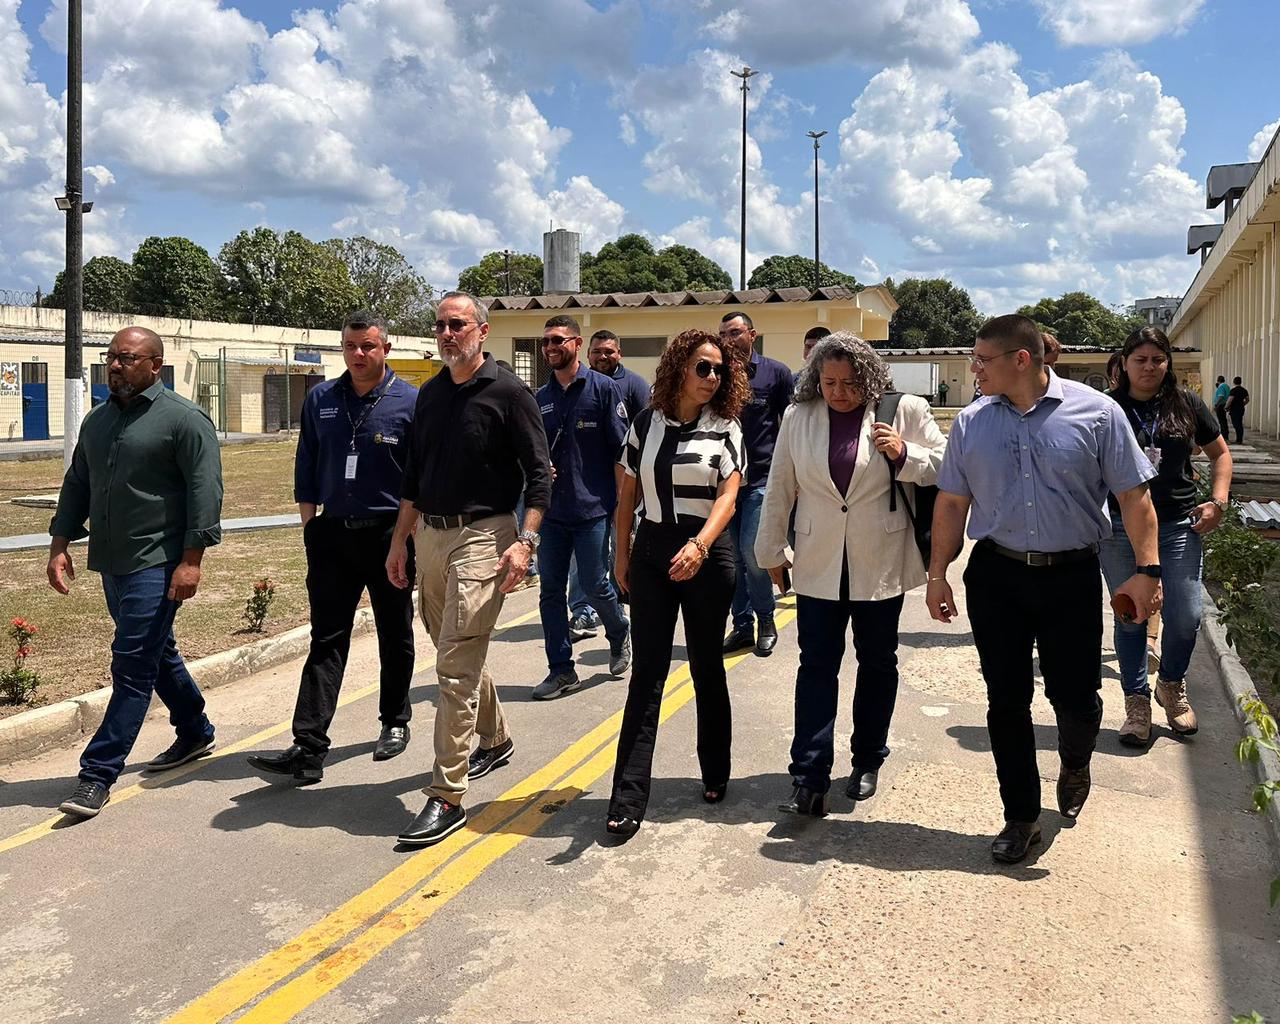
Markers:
<point>146,474</point>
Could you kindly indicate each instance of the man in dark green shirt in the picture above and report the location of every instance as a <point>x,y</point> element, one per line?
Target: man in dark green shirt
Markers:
<point>147,475</point>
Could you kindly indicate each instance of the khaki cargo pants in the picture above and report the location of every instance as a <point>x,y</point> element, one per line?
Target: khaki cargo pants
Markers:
<point>459,602</point>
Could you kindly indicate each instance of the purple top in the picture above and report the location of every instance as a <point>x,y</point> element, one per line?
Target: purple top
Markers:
<point>842,451</point>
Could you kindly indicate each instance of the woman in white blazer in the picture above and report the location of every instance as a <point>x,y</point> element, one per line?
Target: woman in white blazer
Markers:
<point>854,559</point>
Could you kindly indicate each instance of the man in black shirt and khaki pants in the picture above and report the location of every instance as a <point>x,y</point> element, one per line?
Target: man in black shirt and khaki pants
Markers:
<point>477,439</point>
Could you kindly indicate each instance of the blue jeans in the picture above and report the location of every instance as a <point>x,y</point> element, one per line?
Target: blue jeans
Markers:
<point>754,591</point>
<point>579,604</point>
<point>583,541</point>
<point>1181,558</point>
<point>144,658</point>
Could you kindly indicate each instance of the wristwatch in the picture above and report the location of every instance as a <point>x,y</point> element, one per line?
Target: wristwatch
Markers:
<point>531,538</point>
<point>1148,570</point>
<point>1222,505</point>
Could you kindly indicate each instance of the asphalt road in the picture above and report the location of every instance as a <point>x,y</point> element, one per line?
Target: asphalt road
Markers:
<point>213,894</point>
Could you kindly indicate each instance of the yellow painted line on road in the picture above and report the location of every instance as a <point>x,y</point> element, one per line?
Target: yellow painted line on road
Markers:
<point>119,796</point>
<point>486,838</point>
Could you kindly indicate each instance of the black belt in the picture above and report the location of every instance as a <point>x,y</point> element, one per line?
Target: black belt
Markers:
<point>367,523</point>
<point>1043,558</point>
<point>450,522</point>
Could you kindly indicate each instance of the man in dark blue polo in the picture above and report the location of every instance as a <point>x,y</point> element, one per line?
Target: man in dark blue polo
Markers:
<point>770,395</point>
<point>585,426</point>
<point>349,464</point>
<point>1034,459</point>
<point>605,356</point>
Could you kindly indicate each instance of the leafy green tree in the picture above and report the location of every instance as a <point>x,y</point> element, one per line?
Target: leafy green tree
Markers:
<point>488,277</point>
<point>286,279</point>
<point>932,313</point>
<point>176,277</point>
<point>631,264</point>
<point>386,283</point>
<point>107,287</point>
<point>1077,318</point>
<point>797,272</point>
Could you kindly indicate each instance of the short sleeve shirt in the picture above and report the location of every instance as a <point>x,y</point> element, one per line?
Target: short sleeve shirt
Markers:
<point>679,466</point>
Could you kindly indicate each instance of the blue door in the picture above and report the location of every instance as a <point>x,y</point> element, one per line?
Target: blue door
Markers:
<point>98,390</point>
<point>35,401</point>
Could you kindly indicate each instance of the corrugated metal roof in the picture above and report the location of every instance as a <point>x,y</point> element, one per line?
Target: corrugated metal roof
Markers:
<point>1257,513</point>
<point>587,300</point>
<point>965,351</point>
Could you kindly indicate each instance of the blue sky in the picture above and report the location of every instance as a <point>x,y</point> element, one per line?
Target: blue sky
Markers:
<point>1019,148</point>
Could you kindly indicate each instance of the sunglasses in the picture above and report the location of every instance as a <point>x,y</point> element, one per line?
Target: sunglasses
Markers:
<point>455,325</point>
<point>554,339</point>
<point>705,368</point>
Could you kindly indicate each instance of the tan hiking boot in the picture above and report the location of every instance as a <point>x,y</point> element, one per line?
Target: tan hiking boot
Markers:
<point>1173,698</point>
<point>1136,731</point>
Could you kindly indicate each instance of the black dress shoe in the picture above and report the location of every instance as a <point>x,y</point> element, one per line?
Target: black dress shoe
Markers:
<point>1073,790</point>
<point>806,802</point>
<point>766,638</point>
<point>1012,844</point>
<point>391,742</point>
<point>301,764</point>
<point>180,752</point>
<point>862,785</point>
<point>483,760</point>
<point>437,820</point>
<point>738,640</point>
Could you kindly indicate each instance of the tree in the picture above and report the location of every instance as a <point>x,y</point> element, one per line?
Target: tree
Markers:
<point>797,272</point>
<point>286,279</point>
<point>175,277</point>
<point>488,277</point>
<point>107,287</point>
<point>1079,319</point>
<point>632,265</point>
<point>932,313</point>
<point>386,283</point>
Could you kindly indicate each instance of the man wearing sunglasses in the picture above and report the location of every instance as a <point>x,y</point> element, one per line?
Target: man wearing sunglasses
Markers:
<point>147,475</point>
<point>1034,460</point>
<point>476,446</point>
<point>771,387</point>
<point>585,420</point>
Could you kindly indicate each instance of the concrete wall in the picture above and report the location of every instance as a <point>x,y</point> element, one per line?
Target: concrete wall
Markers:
<point>30,334</point>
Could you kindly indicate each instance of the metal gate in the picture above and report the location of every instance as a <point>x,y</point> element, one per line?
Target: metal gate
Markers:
<point>530,363</point>
<point>35,401</point>
<point>211,389</point>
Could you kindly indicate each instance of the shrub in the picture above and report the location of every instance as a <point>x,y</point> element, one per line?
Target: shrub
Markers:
<point>19,683</point>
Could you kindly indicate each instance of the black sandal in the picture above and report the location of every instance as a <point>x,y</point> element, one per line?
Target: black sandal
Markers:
<point>714,794</point>
<point>623,827</point>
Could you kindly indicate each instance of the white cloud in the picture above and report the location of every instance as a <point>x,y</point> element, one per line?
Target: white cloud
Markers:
<point>626,130</point>
<point>1261,141</point>
<point>1116,22</point>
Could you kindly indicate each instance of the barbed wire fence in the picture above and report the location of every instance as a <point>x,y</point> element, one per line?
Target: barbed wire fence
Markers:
<point>16,297</point>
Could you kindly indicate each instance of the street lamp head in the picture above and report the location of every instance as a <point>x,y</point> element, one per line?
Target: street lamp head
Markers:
<point>62,203</point>
<point>815,135</point>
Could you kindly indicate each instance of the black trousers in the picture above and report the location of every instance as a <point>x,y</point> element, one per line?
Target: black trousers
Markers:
<point>341,565</point>
<point>1221,412</point>
<point>1057,609</point>
<point>1237,423</point>
<point>655,601</point>
<point>821,627</point>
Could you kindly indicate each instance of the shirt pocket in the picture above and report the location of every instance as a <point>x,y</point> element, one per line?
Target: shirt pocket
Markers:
<point>476,595</point>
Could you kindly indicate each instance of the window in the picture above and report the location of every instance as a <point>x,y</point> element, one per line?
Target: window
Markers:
<point>641,348</point>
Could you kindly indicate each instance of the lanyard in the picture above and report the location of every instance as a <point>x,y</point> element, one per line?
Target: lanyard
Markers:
<point>357,424</point>
<point>1147,426</point>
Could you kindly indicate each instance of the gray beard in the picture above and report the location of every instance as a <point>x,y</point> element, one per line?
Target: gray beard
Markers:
<point>465,355</point>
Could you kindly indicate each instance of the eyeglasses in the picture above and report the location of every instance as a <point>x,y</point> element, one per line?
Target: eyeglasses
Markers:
<point>734,332</point>
<point>705,368</point>
<point>981,361</point>
<point>555,339</point>
<point>125,359</point>
<point>454,324</point>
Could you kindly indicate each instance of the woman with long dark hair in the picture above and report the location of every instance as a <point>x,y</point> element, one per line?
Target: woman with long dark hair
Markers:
<point>1169,422</point>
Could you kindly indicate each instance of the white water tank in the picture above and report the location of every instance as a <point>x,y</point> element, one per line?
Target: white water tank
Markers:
<point>560,250</point>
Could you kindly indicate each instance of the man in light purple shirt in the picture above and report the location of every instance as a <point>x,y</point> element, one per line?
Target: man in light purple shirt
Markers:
<point>1030,465</point>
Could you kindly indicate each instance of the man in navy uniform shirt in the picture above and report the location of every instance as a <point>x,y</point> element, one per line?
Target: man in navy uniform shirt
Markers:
<point>585,423</point>
<point>770,395</point>
<point>350,461</point>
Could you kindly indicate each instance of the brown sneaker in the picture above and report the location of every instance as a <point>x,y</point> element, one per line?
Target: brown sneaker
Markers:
<point>1173,698</point>
<point>1136,731</point>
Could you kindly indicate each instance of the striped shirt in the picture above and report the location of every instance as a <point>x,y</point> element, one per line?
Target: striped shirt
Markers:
<point>680,466</point>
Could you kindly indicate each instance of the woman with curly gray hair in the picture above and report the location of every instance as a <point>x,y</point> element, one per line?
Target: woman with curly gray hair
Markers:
<point>855,556</point>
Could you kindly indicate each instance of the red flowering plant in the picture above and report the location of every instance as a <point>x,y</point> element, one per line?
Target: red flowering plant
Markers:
<point>255,609</point>
<point>17,684</point>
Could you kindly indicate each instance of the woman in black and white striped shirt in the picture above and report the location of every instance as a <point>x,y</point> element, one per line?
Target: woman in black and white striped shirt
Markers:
<point>683,461</point>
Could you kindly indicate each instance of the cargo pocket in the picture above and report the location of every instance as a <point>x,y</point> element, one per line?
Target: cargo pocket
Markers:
<point>477,599</point>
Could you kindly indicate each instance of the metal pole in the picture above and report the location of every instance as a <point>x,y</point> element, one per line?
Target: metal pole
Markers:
<point>817,273</point>
<point>73,278</point>
<point>744,74</point>
<point>506,258</point>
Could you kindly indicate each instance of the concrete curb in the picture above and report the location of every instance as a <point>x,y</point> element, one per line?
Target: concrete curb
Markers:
<point>1236,682</point>
<point>31,732</point>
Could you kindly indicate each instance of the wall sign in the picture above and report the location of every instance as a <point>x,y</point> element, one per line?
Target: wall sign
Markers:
<point>9,379</point>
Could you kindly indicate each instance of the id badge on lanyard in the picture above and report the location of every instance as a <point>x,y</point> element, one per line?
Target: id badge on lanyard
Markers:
<point>350,472</point>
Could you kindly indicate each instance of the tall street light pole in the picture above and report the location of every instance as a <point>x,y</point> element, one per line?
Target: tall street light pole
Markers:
<point>817,273</point>
<point>74,206</point>
<point>744,74</point>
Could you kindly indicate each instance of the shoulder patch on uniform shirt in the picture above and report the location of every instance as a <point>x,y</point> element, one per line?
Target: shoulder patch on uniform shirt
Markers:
<point>621,410</point>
